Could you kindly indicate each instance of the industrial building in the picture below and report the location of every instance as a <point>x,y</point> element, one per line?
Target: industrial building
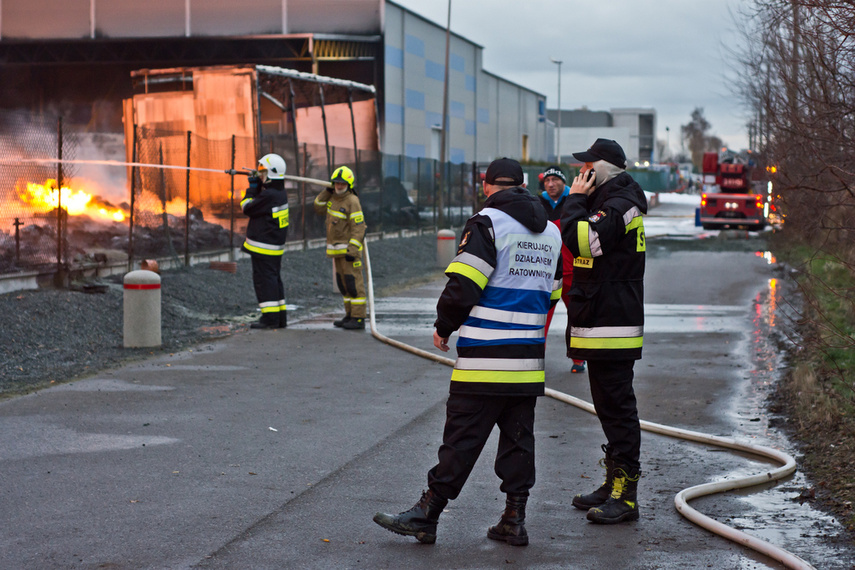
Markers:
<point>76,57</point>
<point>633,128</point>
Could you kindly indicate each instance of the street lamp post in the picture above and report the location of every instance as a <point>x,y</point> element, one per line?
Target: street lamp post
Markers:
<point>558,137</point>
<point>668,141</point>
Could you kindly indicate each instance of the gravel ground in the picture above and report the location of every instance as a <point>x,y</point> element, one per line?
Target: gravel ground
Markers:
<point>60,335</point>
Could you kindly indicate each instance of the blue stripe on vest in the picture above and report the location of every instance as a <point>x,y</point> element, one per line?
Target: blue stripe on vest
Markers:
<point>518,300</point>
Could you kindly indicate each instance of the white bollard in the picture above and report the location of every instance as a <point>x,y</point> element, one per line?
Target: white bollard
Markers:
<point>142,309</point>
<point>446,247</point>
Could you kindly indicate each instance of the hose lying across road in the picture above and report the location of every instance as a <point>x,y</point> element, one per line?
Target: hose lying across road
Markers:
<point>681,500</point>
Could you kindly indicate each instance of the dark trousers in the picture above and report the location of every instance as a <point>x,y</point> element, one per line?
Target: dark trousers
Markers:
<point>614,401</point>
<point>469,421</point>
<point>269,290</point>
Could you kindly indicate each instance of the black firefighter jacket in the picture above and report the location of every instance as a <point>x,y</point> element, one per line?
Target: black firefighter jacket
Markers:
<point>605,234</point>
<point>267,208</point>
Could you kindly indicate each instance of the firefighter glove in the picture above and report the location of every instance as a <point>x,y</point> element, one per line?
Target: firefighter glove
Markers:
<point>254,181</point>
<point>348,257</point>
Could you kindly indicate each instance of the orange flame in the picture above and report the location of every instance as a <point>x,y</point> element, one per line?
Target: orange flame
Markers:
<point>45,197</point>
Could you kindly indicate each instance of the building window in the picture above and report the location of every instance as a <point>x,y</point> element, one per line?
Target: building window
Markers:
<point>470,83</point>
<point>415,99</point>
<point>416,150</point>
<point>457,109</point>
<point>434,70</point>
<point>394,114</point>
<point>394,57</point>
<point>457,63</point>
<point>414,45</point>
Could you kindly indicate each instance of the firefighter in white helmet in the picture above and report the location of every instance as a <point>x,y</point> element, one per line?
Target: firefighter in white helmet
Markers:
<point>345,227</point>
<point>266,204</point>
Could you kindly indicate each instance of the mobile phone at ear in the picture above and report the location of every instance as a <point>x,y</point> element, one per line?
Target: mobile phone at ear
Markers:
<point>591,176</point>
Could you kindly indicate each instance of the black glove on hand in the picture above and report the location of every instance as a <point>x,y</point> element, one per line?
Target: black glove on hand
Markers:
<point>254,181</point>
<point>349,257</point>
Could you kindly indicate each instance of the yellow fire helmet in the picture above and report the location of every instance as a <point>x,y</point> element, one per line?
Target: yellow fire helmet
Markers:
<point>343,174</point>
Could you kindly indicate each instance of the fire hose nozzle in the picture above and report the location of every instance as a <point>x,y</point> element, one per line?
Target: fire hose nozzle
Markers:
<point>242,172</point>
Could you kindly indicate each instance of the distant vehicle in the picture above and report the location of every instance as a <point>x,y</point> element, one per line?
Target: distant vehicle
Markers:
<point>733,197</point>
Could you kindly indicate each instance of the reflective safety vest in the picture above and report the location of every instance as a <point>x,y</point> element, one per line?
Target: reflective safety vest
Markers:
<point>501,343</point>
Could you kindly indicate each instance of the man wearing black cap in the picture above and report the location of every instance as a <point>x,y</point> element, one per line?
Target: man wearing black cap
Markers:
<point>602,227</point>
<point>501,284</point>
<point>555,190</point>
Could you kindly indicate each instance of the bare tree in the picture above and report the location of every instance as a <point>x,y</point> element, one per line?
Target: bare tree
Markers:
<point>798,79</point>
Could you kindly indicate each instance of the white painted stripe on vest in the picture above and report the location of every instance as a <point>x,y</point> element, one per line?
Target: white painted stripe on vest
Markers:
<point>503,316</point>
<point>509,364</point>
<point>478,333</point>
<point>607,332</point>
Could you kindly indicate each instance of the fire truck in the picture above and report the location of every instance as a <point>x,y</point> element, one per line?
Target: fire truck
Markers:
<point>733,197</point>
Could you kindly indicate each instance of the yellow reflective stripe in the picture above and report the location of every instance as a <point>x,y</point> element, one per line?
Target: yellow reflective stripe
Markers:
<point>336,249</point>
<point>276,309</point>
<point>320,202</point>
<point>606,343</point>
<point>357,243</point>
<point>282,216</point>
<point>263,248</point>
<point>335,214</point>
<point>358,300</point>
<point>357,217</point>
<point>468,271</point>
<point>499,377</point>
<point>244,202</point>
<point>582,230</point>
<point>556,294</point>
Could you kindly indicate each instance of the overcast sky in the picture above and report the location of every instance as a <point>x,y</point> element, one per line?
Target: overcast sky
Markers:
<point>670,55</point>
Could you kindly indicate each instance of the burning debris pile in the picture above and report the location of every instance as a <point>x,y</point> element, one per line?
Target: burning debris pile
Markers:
<point>96,231</point>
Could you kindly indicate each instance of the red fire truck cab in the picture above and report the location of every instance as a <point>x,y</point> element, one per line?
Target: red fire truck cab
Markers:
<point>729,199</point>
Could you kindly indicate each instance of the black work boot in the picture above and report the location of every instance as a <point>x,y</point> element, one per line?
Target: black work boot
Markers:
<point>511,527</point>
<point>602,494</point>
<point>420,521</point>
<point>354,324</point>
<point>267,321</point>
<point>622,505</point>
<point>283,319</point>
<point>340,322</point>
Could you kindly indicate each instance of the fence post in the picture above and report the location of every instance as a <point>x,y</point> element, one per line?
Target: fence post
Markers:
<point>187,209</point>
<point>418,192</point>
<point>232,206</point>
<point>59,201</point>
<point>133,192</point>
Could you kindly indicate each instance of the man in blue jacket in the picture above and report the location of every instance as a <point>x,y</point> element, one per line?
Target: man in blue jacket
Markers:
<point>501,284</point>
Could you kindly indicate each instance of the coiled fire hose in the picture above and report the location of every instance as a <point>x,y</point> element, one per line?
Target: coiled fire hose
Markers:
<point>681,500</point>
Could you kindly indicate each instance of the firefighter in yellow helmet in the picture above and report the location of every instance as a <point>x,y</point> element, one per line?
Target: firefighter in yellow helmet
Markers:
<point>345,226</point>
<point>266,204</point>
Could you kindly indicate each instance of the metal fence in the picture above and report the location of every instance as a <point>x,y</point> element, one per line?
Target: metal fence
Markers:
<point>174,199</point>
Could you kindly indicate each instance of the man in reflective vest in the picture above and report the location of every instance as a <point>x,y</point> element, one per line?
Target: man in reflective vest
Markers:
<point>266,204</point>
<point>501,285</point>
<point>602,227</point>
<point>345,226</point>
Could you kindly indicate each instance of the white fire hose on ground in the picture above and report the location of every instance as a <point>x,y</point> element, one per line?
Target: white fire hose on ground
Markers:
<point>683,497</point>
<point>680,500</point>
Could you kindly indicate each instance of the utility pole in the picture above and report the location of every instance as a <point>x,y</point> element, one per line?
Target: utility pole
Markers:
<point>440,214</point>
<point>558,137</point>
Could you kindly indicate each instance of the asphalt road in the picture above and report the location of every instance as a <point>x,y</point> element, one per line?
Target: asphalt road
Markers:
<point>273,449</point>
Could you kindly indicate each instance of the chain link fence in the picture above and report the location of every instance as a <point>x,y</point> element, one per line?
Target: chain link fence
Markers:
<point>171,197</point>
<point>31,224</point>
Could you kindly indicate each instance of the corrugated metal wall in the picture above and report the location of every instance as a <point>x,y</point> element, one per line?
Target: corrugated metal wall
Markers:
<point>53,19</point>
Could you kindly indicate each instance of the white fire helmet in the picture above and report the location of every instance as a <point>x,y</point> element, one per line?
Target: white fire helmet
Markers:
<point>274,165</point>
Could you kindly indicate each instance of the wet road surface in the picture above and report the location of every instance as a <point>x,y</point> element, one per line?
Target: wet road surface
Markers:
<point>273,449</point>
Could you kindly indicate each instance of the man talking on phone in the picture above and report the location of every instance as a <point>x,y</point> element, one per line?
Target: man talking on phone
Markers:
<point>602,227</point>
